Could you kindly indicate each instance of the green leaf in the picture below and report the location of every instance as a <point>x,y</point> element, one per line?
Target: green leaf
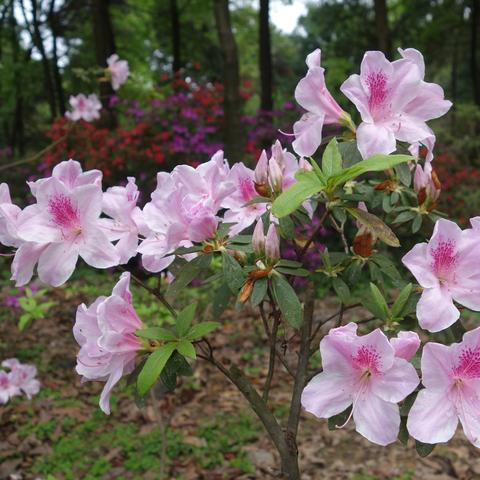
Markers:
<point>153,367</point>
<point>405,216</point>
<point>424,449</point>
<point>260,288</point>
<point>201,329</point>
<point>341,289</point>
<point>401,300</point>
<point>375,225</point>
<point>404,174</point>
<point>287,301</point>
<point>176,365</point>
<point>308,184</point>
<point>184,319</point>
<point>376,303</point>
<point>332,159</point>
<point>288,264</point>
<point>221,300</point>
<point>24,321</point>
<point>375,163</point>
<point>188,272</point>
<point>403,434</point>
<point>299,272</point>
<point>287,228</point>
<point>386,266</point>
<point>350,153</point>
<point>186,349</point>
<point>417,223</point>
<point>156,333</point>
<point>232,272</point>
<point>339,420</point>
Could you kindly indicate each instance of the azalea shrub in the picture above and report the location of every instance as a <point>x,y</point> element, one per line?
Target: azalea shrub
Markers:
<point>358,223</point>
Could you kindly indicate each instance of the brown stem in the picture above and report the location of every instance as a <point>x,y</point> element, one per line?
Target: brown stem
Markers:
<point>163,435</point>
<point>271,363</point>
<point>341,233</point>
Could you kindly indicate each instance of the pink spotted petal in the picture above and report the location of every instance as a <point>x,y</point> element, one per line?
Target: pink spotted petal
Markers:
<point>432,418</point>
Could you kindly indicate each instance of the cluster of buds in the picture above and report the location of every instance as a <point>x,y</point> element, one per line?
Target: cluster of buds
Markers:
<point>427,186</point>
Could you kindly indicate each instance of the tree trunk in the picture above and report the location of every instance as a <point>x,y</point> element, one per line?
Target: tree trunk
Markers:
<point>57,77</point>
<point>104,47</point>
<point>37,40</point>
<point>474,50</point>
<point>233,131</point>
<point>383,31</point>
<point>176,38</point>
<point>265,58</point>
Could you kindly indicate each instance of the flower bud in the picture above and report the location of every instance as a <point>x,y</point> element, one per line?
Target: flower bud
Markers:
<point>272,244</point>
<point>275,175</point>
<point>261,170</point>
<point>258,238</point>
<point>305,165</point>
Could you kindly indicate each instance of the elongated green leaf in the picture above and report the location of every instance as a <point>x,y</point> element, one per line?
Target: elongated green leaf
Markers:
<point>375,225</point>
<point>401,300</point>
<point>232,272</point>
<point>424,449</point>
<point>332,159</point>
<point>308,184</point>
<point>375,163</point>
<point>156,333</point>
<point>341,289</point>
<point>186,348</point>
<point>184,319</point>
<point>378,305</point>
<point>287,301</point>
<point>259,291</point>
<point>201,329</point>
<point>153,367</point>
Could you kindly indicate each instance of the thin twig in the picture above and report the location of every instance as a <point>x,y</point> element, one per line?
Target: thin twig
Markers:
<point>163,435</point>
<point>341,233</point>
<point>271,362</point>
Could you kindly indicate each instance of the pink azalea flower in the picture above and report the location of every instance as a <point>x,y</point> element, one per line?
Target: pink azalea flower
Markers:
<point>120,203</point>
<point>60,227</point>
<point>84,108</point>
<point>312,94</point>
<point>448,269</point>
<point>184,209</point>
<point>8,218</point>
<point>118,70</point>
<point>237,212</point>
<point>365,373</point>
<point>7,388</point>
<point>451,377</point>
<point>22,377</point>
<point>394,101</point>
<point>105,332</point>
<point>405,344</point>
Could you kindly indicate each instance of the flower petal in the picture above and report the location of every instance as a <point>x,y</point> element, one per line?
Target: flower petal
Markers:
<point>435,310</point>
<point>375,138</point>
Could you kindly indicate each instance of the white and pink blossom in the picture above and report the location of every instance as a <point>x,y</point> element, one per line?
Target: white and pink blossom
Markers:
<point>118,70</point>
<point>365,373</point>
<point>451,375</point>
<point>105,332</point>
<point>447,267</point>
<point>84,108</point>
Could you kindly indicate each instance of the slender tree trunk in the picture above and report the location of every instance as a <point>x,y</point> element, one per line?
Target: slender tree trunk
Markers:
<point>57,77</point>
<point>233,131</point>
<point>265,57</point>
<point>37,40</point>
<point>383,29</point>
<point>176,36</point>
<point>474,20</point>
<point>104,39</point>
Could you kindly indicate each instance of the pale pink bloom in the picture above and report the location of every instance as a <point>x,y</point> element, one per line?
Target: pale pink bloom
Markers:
<point>394,101</point>
<point>22,376</point>
<point>7,388</point>
<point>475,222</point>
<point>118,70</point>
<point>184,209</point>
<point>405,344</point>
<point>105,332</point>
<point>365,373</point>
<point>312,94</point>
<point>448,269</point>
<point>71,175</point>
<point>428,143</point>
<point>120,203</point>
<point>8,218</point>
<point>84,108</point>
<point>60,227</point>
<point>424,181</point>
<point>451,376</point>
<point>238,213</point>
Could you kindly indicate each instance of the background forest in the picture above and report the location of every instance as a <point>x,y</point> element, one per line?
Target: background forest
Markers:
<point>204,75</point>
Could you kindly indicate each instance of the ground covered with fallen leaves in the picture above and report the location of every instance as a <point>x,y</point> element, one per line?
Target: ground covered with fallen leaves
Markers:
<point>210,432</point>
